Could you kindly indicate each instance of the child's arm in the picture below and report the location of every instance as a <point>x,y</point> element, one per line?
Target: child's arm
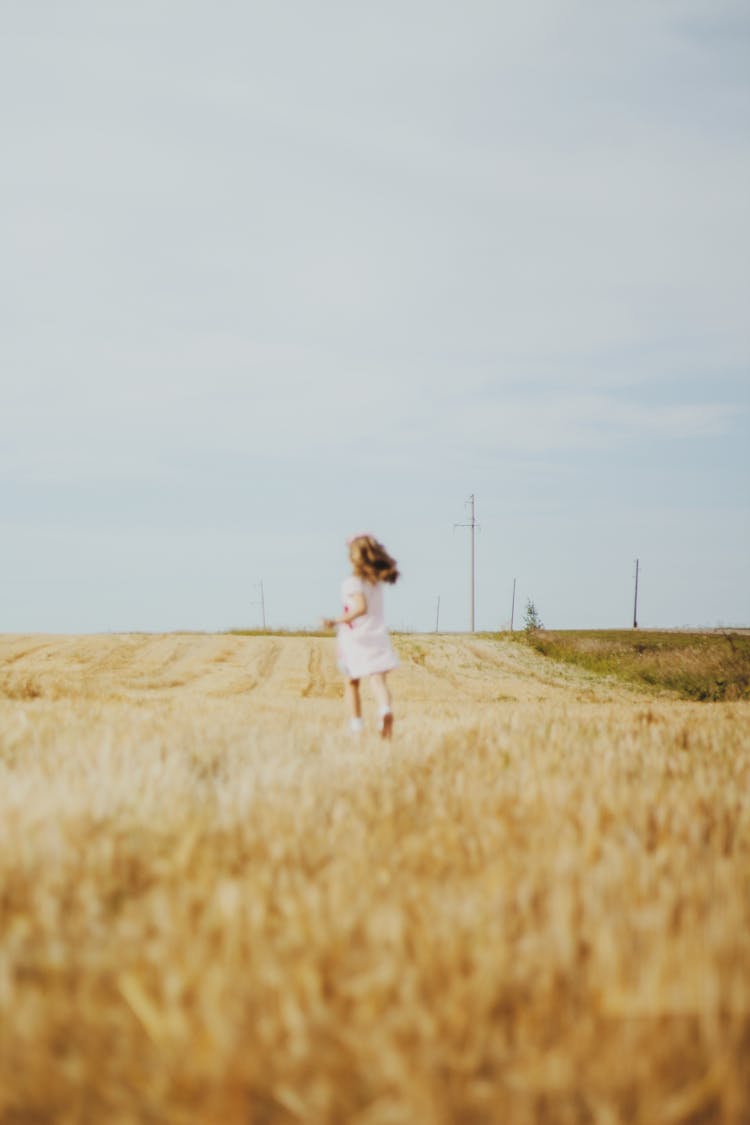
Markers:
<point>355,607</point>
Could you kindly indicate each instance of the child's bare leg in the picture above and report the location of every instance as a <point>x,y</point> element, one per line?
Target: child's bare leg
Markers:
<point>354,703</point>
<point>383,698</point>
<point>381,690</point>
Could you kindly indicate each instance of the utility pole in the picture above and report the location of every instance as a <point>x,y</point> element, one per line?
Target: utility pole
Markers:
<point>437,615</point>
<point>512,605</point>
<point>472,525</point>
<point>262,606</point>
<point>635,602</point>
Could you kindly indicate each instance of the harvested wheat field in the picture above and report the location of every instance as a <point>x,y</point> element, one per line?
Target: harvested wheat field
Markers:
<point>533,905</point>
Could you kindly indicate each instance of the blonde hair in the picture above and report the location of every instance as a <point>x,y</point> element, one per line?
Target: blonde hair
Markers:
<point>371,561</point>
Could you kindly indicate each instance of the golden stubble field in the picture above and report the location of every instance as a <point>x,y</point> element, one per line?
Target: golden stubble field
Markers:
<point>216,907</point>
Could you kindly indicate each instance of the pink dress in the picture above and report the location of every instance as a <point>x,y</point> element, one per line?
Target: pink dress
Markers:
<point>363,645</point>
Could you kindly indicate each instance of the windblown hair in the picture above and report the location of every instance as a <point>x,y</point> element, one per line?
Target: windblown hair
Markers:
<point>371,561</point>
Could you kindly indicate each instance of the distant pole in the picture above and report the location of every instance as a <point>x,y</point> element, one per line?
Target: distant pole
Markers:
<point>472,525</point>
<point>437,616</point>
<point>635,602</point>
<point>262,606</point>
<point>513,605</point>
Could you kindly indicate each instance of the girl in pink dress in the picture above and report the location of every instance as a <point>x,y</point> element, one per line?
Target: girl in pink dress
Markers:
<point>364,647</point>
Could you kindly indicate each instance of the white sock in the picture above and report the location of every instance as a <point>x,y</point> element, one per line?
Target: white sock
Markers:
<point>356,725</point>
<point>383,714</point>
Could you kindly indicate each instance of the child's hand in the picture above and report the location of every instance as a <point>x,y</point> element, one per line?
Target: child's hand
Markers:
<point>329,623</point>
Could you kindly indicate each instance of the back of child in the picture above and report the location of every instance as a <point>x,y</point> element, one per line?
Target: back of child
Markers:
<point>363,644</point>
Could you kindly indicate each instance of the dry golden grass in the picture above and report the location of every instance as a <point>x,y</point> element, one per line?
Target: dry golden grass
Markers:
<point>533,906</point>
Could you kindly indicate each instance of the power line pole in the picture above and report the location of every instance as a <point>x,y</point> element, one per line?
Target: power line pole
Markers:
<point>437,615</point>
<point>472,525</point>
<point>635,601</point>
<point>512,605</point>
<point>262,606</point>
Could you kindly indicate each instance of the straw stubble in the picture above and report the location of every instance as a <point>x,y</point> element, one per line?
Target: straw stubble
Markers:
<point>534,905</point>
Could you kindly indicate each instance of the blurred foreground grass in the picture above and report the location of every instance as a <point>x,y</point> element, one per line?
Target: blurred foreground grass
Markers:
<point>222,910</point>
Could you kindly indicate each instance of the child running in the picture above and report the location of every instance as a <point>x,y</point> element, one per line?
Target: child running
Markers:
<point>364,647</point>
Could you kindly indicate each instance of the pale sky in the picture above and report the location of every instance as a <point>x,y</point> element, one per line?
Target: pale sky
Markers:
<point>274,273</point>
